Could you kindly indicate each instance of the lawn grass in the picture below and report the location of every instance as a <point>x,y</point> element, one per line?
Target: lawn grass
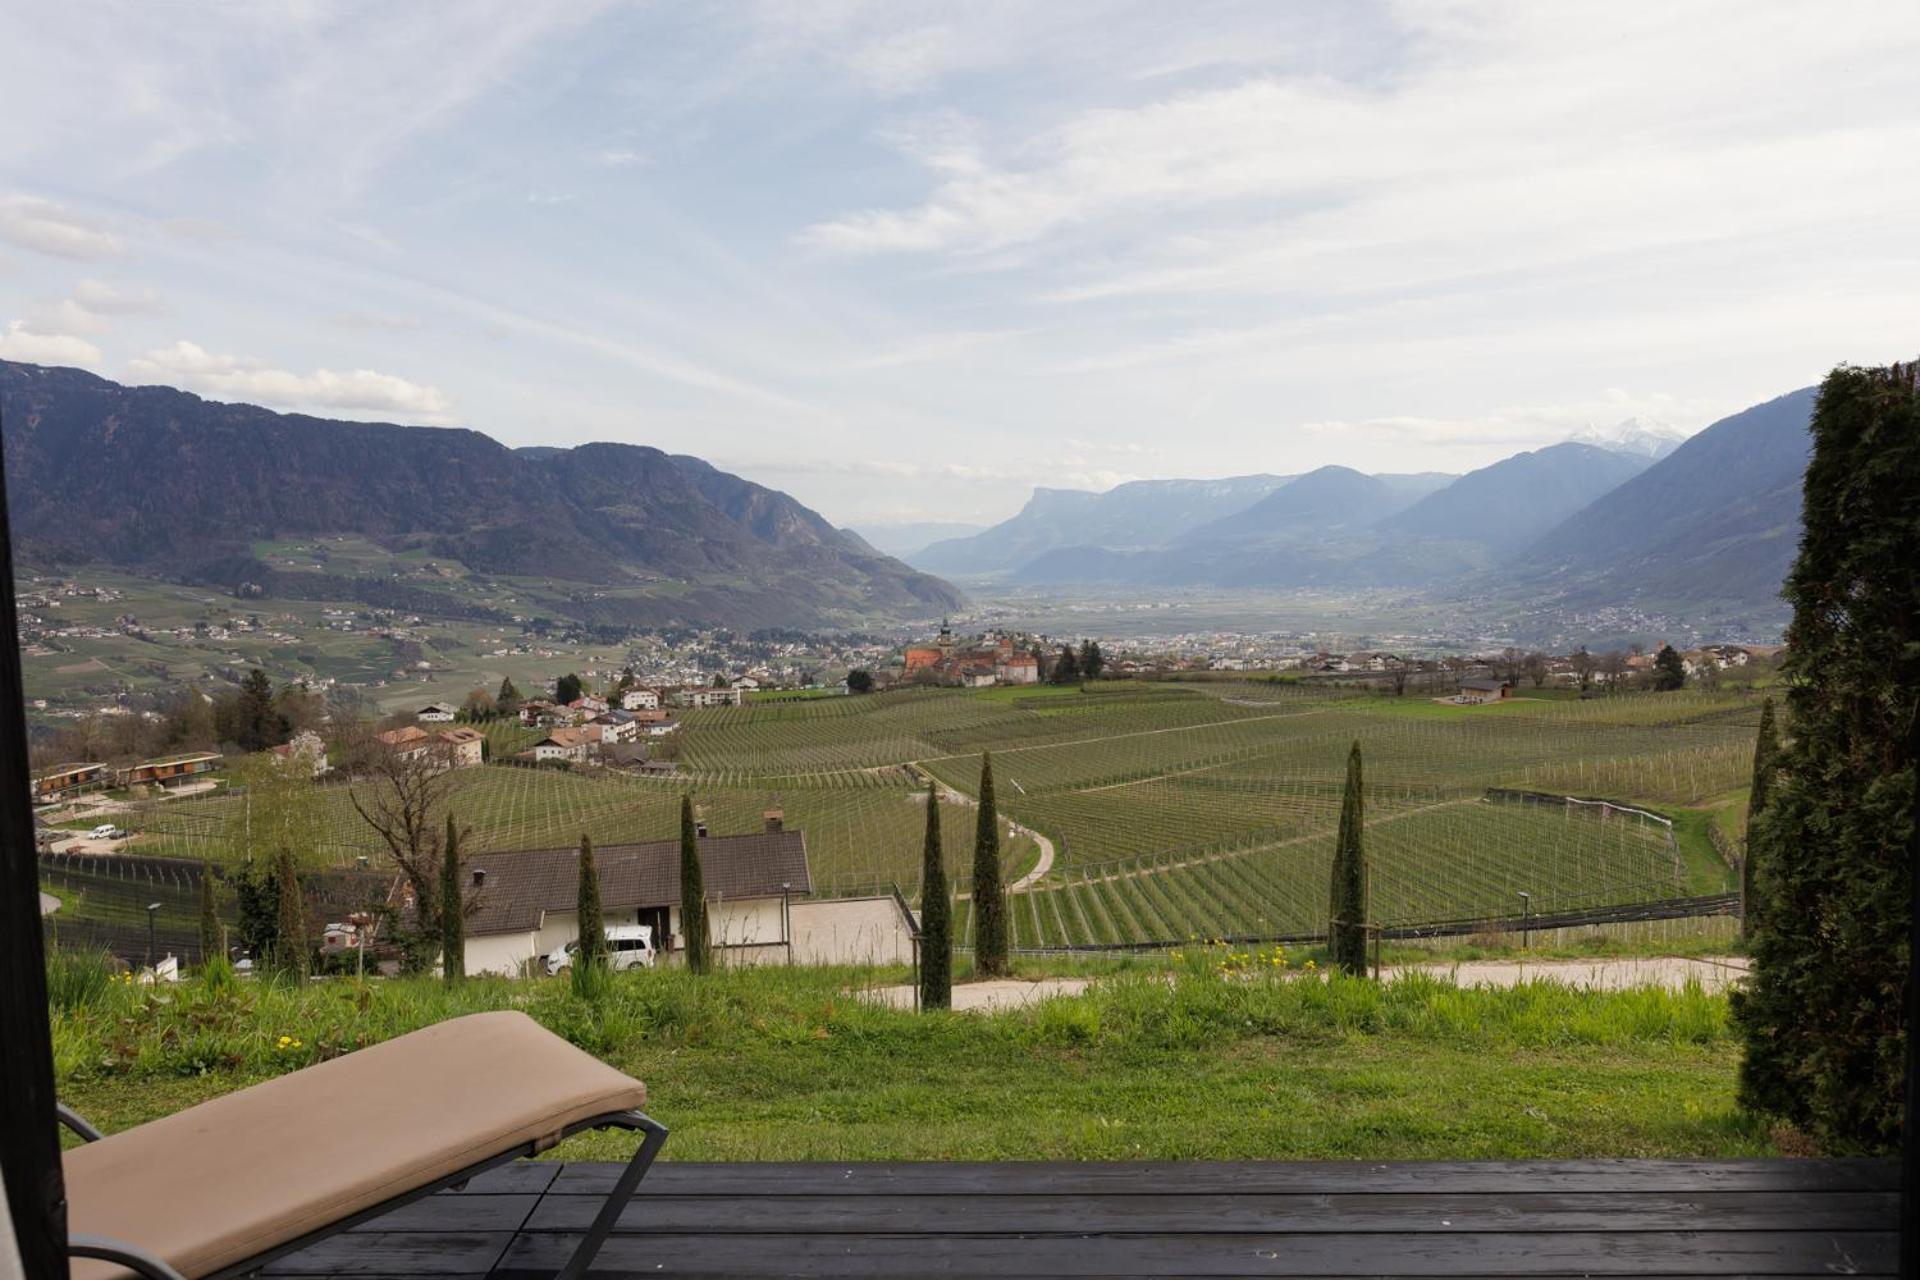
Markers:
<point>1193,1064</point>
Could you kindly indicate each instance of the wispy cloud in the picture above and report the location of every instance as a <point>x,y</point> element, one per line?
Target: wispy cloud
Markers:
<point>45,227</point>
<point>18,342</point>
<point>229,377</point>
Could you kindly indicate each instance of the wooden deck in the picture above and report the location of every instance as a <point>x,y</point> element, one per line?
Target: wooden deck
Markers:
<point>1608,1217</point>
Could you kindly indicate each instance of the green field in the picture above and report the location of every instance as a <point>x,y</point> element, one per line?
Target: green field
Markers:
<point>1173,811</point>
<point>1162,1062</point>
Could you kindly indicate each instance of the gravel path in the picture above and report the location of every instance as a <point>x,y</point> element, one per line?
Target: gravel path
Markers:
<point>1714,973</point>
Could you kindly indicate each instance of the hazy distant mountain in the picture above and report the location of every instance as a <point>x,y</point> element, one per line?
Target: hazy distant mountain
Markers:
<point>1650,440</point>
<point>1506,506</point>
<point>1712,526</point>
<point>1317,502</point>
<point>1137,515</point>
<point>904,538</point>
<point>157,478</point>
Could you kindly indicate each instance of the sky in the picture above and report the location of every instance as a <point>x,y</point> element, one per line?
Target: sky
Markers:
<point>907,261</point>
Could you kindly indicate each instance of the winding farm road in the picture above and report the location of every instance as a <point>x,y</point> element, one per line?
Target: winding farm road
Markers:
<point>1040,867</point>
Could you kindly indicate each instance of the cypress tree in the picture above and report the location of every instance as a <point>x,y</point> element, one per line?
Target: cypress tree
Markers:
<point>989,893</point>
<point>212,944</point>
<point>290,919</point>
<point>1766,745</point>
<point>1669,670</point>
<point>453,910</point>
<point>589,960</point>
<point>936,916</point>
<point>693,892</point>
<point>1347,909</point>
<point>1822,1018</point>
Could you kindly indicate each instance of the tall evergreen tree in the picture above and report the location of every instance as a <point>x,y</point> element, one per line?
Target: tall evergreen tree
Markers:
<point>566,689</point>
<point>212,941</point>
<point>1091,659</point>
<point>989,888</point>
<point>1066,667</point>
<point>291,949</point>
<point>1766,745</point>
<point>1669,671</point>
<point>453,910</point>
<point>590,957</point>
<point>1347,910</point>
<point>1833,850</point>
<point>936,916</point>
<point>693,892</point>
<point>508,700</point>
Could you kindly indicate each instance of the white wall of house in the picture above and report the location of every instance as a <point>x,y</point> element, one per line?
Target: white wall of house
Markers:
<point>829,931</point>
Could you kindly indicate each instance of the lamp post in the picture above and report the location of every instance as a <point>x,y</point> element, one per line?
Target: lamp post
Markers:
<point>153,910</point>
<point>786,917</point>
<point>1526,920</point>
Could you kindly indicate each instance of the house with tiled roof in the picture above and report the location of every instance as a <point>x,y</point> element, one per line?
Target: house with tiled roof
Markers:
<point>524,905</point>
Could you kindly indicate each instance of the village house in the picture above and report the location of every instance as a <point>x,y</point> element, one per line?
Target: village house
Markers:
<point>564,744</point>
<point>464,746</point>
<point>169,771</point>
<point>640,700</point>
<point>616,726</point>
<point>723,697</point>
<point>524,906</point>
<point>436,713</point>
<point>457,748</point>
<point>67,780</point>
<point>1483,689</point>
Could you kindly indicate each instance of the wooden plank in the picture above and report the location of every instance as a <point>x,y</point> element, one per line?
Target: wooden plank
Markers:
<point>529,1177</point>
<point>1178,1214</point>
<point>467,1212</point>
<point>397,1253</point>
<point>1411,1253</point>
<point>1329,1177</point>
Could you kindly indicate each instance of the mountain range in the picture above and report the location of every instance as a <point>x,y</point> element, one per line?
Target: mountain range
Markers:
<point>1628,517</point>
<point>155,478</point>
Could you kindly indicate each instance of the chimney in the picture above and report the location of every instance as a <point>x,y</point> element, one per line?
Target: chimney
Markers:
<point>776,821</point>
<point>479,877</point>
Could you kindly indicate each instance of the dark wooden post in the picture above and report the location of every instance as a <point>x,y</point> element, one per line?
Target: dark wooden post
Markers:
<point>29,1135</point>
<point>1910,1130</point>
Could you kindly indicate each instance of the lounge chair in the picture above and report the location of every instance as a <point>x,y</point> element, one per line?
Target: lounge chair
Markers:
<point>223,1188</point>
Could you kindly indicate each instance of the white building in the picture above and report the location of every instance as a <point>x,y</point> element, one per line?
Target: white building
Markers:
<point>640,700</point>
<point>727,697</point>
<point>436,713</point>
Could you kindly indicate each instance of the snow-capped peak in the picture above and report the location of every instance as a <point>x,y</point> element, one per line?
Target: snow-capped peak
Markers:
<point>1653,440</point>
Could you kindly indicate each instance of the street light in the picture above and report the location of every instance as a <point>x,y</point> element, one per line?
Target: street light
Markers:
<point>153,909</point>
<point>1526,920</point>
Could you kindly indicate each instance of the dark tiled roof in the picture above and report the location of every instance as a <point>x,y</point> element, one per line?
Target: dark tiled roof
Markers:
<point>522,885</point>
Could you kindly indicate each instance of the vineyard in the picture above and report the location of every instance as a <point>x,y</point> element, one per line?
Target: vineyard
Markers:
<point>1171,811</point>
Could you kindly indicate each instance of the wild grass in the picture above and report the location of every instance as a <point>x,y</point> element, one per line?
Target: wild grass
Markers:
<point>1221,1055</point>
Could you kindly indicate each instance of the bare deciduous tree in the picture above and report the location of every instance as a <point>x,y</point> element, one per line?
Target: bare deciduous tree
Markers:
<point>1584,665</point>
<point>1537,668</point>
<point>402,795</point>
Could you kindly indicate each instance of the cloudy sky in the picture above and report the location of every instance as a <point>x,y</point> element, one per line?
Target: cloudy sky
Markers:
<point>907,261</point>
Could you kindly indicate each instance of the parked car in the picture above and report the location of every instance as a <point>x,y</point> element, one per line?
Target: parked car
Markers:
<point>105,831</point>
<point>629,946</point>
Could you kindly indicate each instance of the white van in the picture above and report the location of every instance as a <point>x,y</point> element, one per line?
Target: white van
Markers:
<point>105,831</point>
<point>629,946</point>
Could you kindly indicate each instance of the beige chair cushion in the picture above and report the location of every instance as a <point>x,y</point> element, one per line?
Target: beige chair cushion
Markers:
<point>231,1178</point>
